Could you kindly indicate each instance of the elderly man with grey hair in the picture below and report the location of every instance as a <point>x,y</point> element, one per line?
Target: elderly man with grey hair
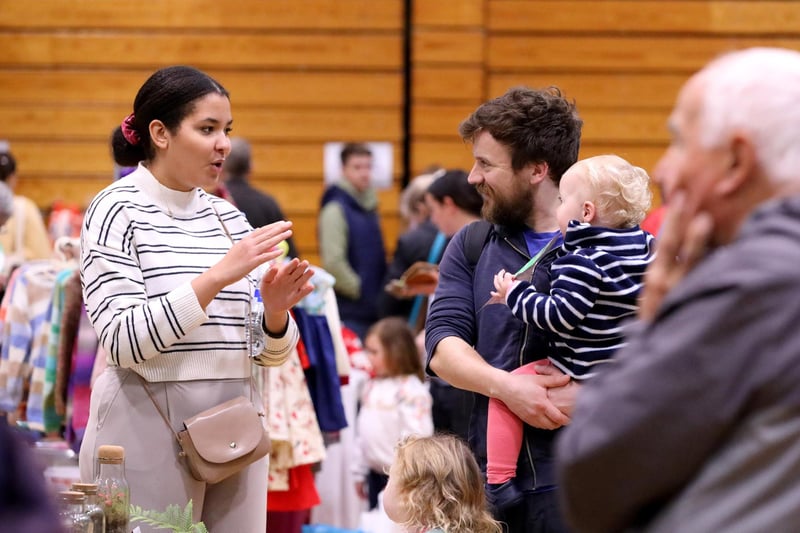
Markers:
<point>696,428</point>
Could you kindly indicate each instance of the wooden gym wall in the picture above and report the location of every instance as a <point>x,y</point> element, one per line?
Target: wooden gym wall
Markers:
<point>304,72</point>
<point>300,73</point>
<point>622,61</point>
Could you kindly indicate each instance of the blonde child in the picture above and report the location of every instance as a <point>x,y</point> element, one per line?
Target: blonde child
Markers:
<point>595,281</point>
<point>395,403</point>
<point>435,485</point>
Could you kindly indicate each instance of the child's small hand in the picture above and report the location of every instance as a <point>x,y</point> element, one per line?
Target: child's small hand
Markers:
<point>502,284</point>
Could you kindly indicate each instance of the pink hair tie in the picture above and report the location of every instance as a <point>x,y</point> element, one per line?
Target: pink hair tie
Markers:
<point>128,132</point>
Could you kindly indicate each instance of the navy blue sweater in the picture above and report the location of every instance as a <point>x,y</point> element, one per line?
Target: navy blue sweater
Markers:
<point>502,340</point>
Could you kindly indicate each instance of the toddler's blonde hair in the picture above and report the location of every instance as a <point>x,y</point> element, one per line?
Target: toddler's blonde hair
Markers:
<point>440,486</point>
<point>622,191</point>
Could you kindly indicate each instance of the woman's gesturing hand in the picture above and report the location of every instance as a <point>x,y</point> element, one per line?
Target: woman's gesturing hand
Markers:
<point>284,285</point>
<point>281,288</point>
<point>257,248</point>
<point>254,250</point>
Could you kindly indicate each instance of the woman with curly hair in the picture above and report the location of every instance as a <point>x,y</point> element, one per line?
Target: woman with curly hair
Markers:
<point>435,486</point>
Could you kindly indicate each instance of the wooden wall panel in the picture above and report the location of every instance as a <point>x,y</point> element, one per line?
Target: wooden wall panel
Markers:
<point>304,72</point>
<point>641,155</point>
<point>307,89</point>
<point>320,124</point>
<point>210,14</point>
<point>199,48</point>
<point>608,90</point>
<point>646,16</point>
<point>442,120</point>
<point>294,124</point>
<point>301,73</point>
<point>448,79</point>
<point>93,158</point>
<point>45,189</point>
<point>452,13</point>
<point>449,153</point>
<point>624,62</point>
<point>448,84</point>
<point>293,160</point>
<point>634,126</point>
<point>622,53</point>
<point>447,47</point>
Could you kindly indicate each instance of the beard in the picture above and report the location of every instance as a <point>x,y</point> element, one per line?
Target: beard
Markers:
<point>512,209</point>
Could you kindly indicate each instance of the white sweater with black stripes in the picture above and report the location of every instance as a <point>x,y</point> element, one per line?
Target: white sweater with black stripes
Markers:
<point>141,246</point>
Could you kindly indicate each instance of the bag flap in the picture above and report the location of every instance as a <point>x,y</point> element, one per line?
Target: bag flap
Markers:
<point>226,431</point>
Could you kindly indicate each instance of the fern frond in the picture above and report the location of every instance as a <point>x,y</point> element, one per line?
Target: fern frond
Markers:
<point>173,518</point>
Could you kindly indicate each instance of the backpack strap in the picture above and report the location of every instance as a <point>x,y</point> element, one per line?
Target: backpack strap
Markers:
<point>475,239</point>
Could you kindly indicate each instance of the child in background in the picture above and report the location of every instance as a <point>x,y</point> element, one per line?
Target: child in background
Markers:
<point>395,403</point>
<point>435,485</point>
<point>595,282</point>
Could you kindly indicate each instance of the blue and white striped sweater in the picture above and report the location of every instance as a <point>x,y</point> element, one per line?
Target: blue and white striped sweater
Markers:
<point>595,283</point>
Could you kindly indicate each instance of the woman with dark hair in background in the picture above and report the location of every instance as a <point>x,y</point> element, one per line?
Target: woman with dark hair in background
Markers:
<point>453,202</point>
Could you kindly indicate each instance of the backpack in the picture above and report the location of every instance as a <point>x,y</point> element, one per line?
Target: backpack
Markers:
<point>478,235</point>
<point>475,239</point>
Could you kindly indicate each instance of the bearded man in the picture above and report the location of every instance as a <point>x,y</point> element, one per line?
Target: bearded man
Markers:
<point>522,143</point>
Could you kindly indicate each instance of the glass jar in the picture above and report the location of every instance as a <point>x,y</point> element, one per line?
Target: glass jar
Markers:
<point>92,508</point>
<point>113,492</point>
<point>71,513</point>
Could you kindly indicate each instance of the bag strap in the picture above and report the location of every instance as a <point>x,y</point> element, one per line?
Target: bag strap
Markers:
<point>161,412</point>
<point>434,255</point>
<point>252,281</point>
<point>475,239</point>
<point>144,381</point>
<point>224,227</point>
<point>437,248</point>
<point>158,407</point>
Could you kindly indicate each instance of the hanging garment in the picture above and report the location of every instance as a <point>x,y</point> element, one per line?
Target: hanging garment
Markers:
<point>322,376</point>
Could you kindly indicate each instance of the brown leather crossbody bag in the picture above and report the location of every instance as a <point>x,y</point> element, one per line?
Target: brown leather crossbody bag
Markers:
<point>222,440</point>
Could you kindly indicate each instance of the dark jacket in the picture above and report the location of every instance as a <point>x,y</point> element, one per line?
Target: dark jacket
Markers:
<point>259,208</point>
<point>26,504</point>
<point>365,253</point>
<point>412,246</point>
<point>502,340</point>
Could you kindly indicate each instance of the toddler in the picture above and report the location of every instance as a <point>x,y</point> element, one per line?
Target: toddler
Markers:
<point>435,485</point>
<point>395,403</point>
<point>595,281</point>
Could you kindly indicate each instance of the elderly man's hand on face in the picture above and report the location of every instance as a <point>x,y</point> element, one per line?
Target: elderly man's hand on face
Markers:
<point>683,240</point>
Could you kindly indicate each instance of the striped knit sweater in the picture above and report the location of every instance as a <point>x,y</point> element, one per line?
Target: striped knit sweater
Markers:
<point>25,330</point>
<point>595,282</point>
<point>141,246</point>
